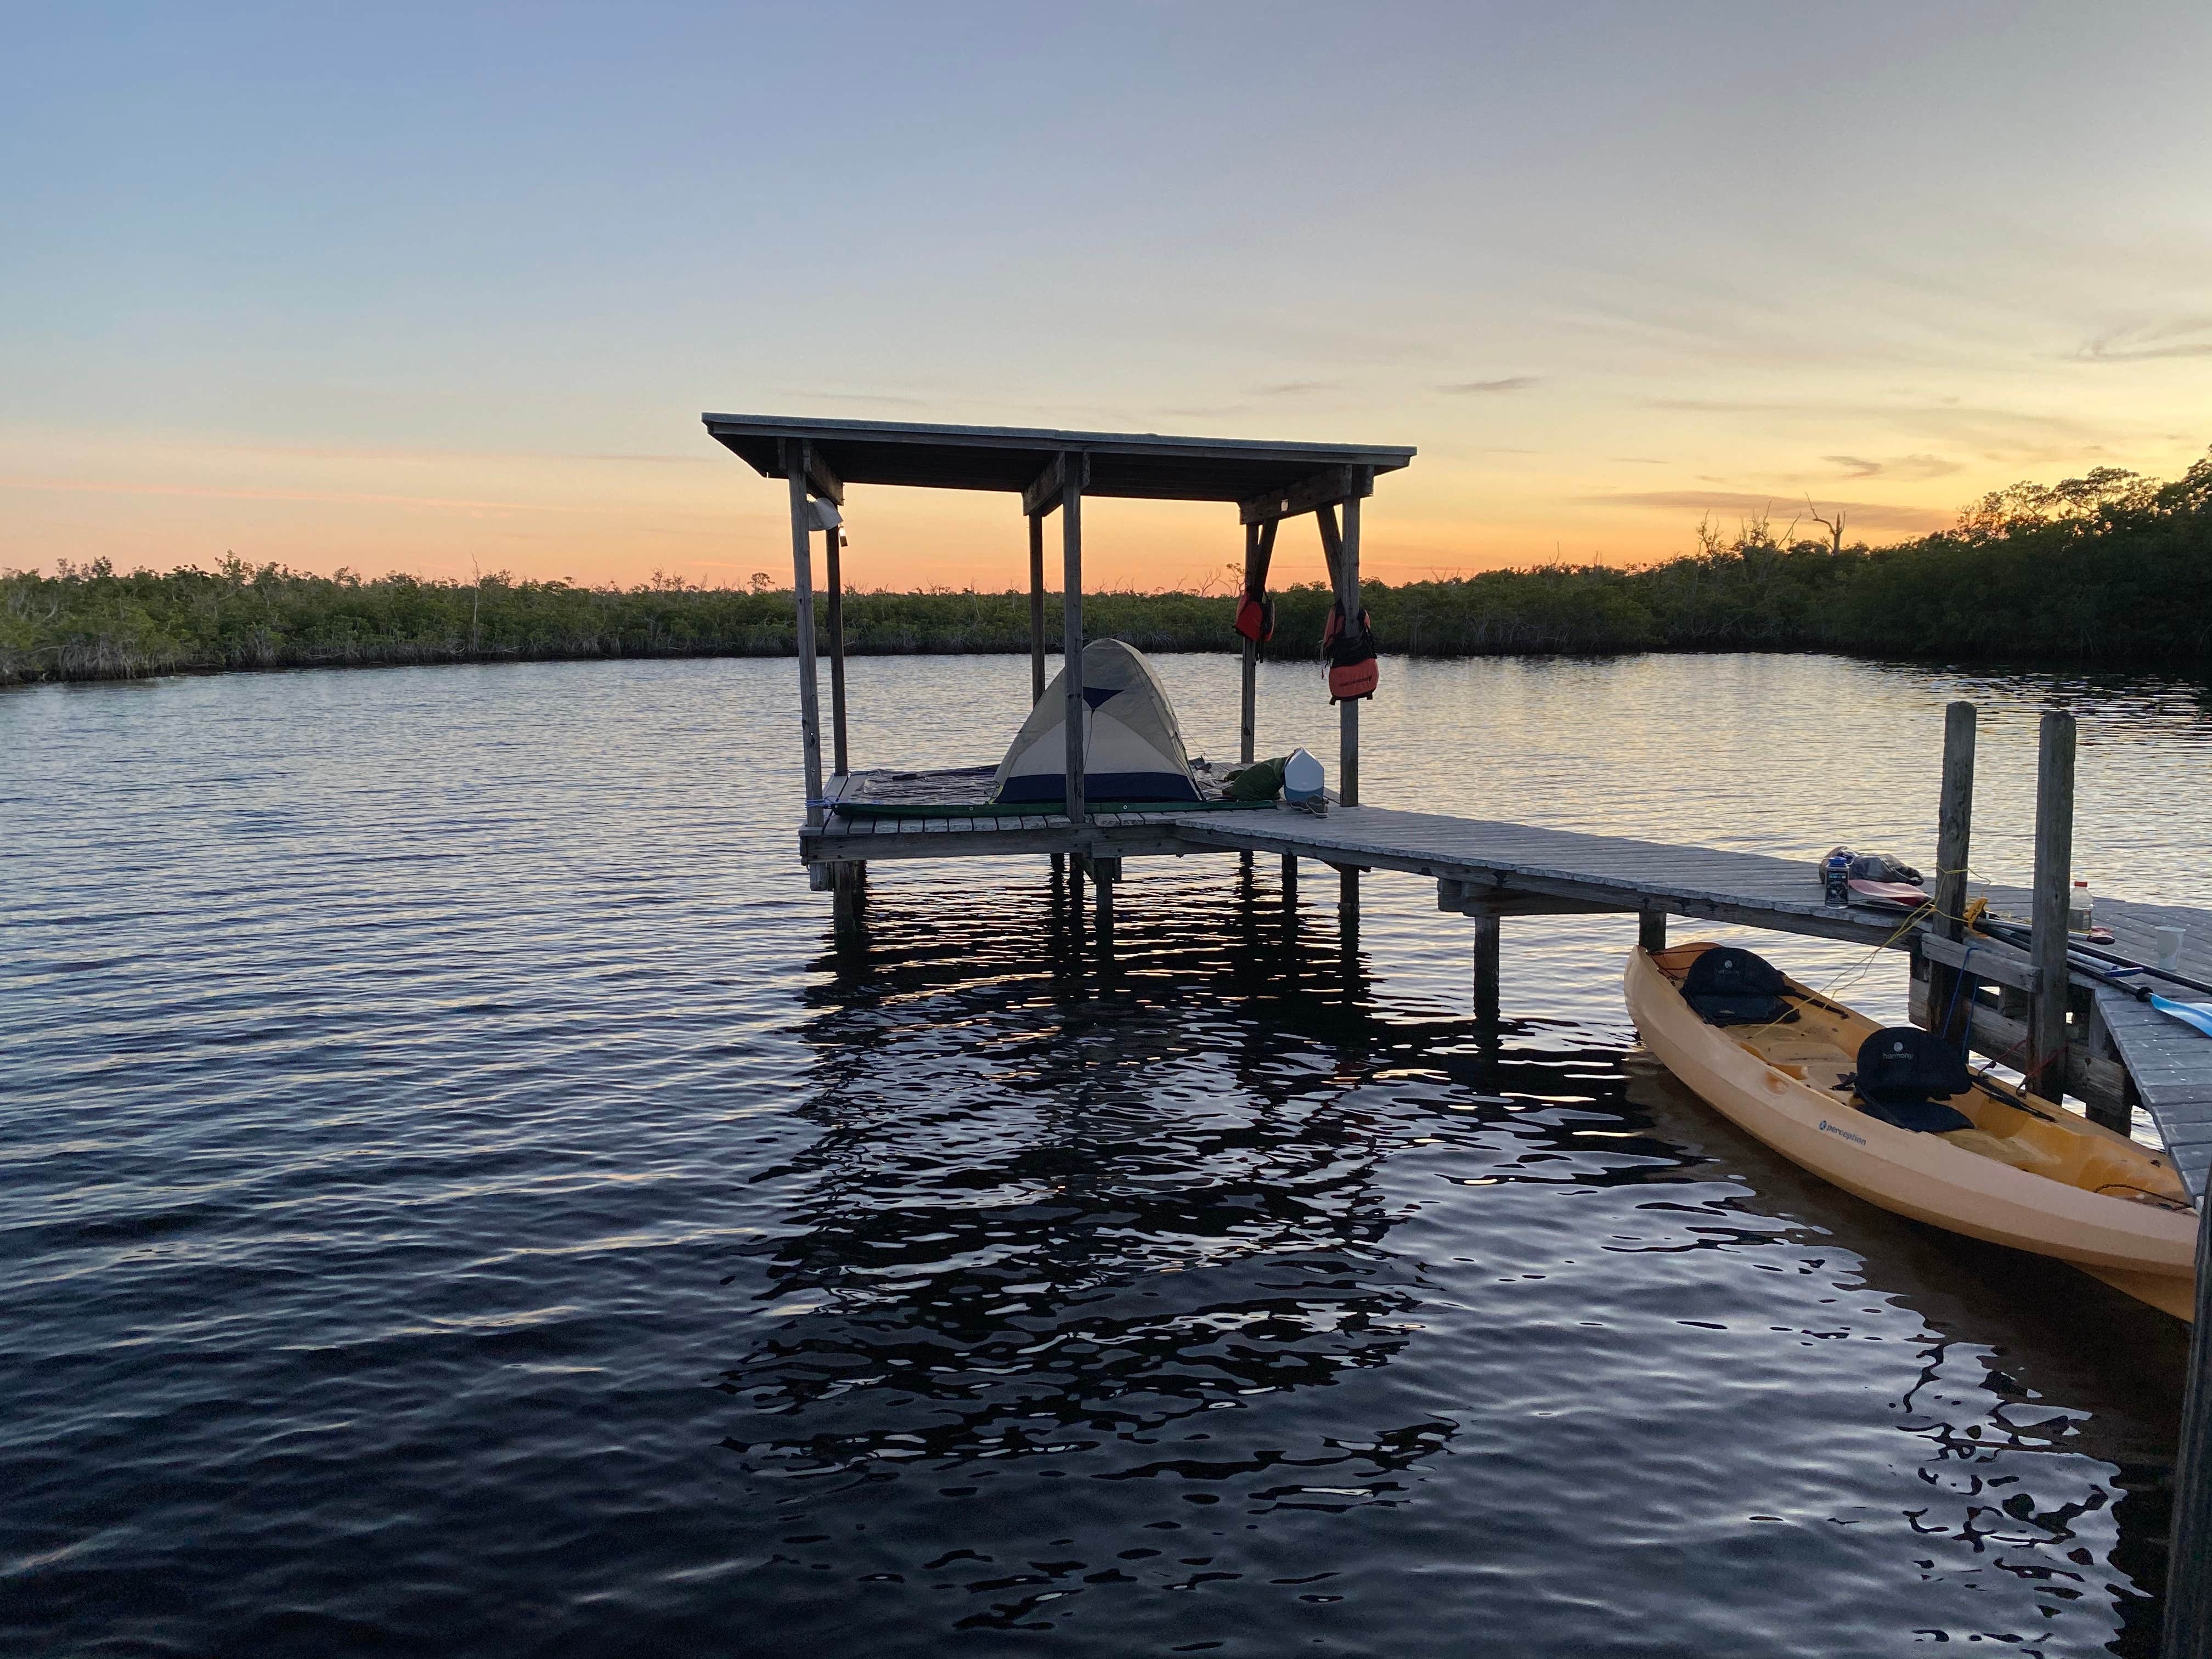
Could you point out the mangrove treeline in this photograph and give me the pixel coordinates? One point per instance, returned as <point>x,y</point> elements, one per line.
<point>2109,568</point>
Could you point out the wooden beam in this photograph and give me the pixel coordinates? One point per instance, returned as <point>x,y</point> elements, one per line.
<point>835,572</point>
<point>1323,488</point>
<point>1980,959</point>
<point>1248,687</point>
<point>1070,469</point>
<point>1348,712</point>
<point>2099,1083</point>
<point>2054,863</point>
<point>802,590</point>
<point>1954,826</point>
<point>1049,488</point>
<point>1037,609</point>
<point>819,478</point>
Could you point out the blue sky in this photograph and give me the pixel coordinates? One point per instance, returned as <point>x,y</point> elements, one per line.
<point>422,287</point>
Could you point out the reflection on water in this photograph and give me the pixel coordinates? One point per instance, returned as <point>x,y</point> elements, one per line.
<point>1321,1304</point>
<point>467,1198</point>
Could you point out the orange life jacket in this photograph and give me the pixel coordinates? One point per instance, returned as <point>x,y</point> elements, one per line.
<point>1255,618</point>
<point>1351,653</point>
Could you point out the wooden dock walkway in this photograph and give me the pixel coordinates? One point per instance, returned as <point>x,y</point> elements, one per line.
<point>2121,1052</point>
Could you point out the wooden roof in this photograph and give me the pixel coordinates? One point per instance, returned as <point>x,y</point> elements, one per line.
<point>1128,464</point>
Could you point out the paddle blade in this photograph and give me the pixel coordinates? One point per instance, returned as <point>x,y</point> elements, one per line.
<point>2198,1014</point>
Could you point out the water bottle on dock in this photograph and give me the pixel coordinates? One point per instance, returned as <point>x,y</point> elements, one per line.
<point>1836,877</point>
<point>2078,906</point>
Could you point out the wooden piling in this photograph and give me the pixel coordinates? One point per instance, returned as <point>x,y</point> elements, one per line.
<point>1071,533</point>
<point>1037,609</point>
<point>1247,727</point>
<point>2189,1572</point>
<point>1950,993</point>
<point>2054,856</point>
<point>1290,878</point>
<point>802,592</point>
<point>1486,941</point>
<point>1347,594</point>
<point>1651,930</point>
<point>833,540</point>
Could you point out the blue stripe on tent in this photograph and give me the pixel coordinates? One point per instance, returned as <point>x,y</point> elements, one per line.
<point>1102,785</point>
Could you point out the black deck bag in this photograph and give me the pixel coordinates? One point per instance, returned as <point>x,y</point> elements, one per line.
<point>1901,1068</point>
<point>1729,986</point>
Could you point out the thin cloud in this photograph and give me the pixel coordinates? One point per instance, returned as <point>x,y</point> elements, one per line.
<point>1637,461</point>
<point>2136,343</point>
<point>1903,468</point>
<point>1864,516</point>
<point>1294,388</point>
<point>1511,383</point>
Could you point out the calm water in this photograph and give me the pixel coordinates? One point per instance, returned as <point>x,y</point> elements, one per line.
<point>457,1197</point>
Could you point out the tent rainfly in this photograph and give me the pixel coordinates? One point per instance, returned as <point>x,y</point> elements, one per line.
<point>1133,749</point>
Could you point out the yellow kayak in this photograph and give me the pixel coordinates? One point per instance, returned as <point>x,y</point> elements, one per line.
<point>1883,1119</point>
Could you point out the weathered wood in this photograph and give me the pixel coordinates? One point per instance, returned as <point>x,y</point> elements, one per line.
<point>2188,1633</point>
<point>1488,899</point>
<point>2089,1078</point>
<point>1651,930</point>
<point>1955,822</point>
<point>1487,931</point>
<point>833,540</point>
<point>1289,878</point>
<point>1347,784</point>
<point>1048,489</point>
<point>1248,687</point>
<point>1326,488</point>
<point>1979,959</point>
<point>821,478</point>
<point>1071,533</point>
<point>1036,608</point>
<point>802,592</point>
<point>2054,861</point>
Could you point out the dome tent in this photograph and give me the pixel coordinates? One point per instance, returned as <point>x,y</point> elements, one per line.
<point>1132,748</point>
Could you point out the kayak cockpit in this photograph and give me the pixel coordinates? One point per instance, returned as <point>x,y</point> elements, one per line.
<point>1907,1077</point>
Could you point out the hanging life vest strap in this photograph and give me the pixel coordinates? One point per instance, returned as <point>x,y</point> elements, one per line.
<point>1255,612</point>
<point>1351,653</point>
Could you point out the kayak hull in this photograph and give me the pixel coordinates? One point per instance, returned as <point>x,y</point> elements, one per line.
<point>2145,1246</point>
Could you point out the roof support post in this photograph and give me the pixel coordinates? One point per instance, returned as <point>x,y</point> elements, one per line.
<point>1073,470</point>
<point>1347,593</point>
<point>1036,608</point>
<point>802,593</point>
<point>1248,712</point>
<point>1341,549</point>
<point>2054,860</point>
<point>830,538</point>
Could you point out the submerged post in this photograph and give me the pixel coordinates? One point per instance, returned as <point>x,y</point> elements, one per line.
<point>832,539</point>
<point>2054,859</point>
<point>1071,531</point>
<point>1486,941</point>
<point>2189,1574</point>
<point>1037,609</point>
<point>1950,993</point>
<point>802,592</point>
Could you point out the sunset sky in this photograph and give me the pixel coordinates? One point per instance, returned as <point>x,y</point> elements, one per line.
<point>412,288</point>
